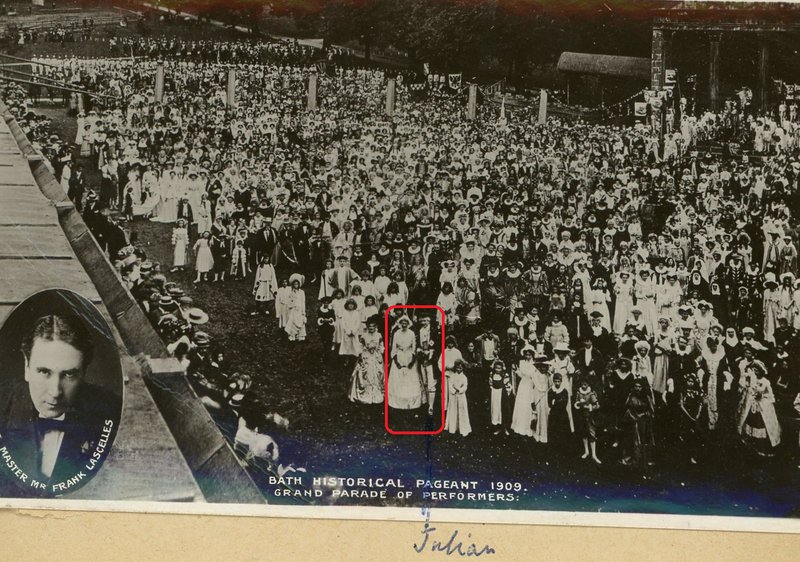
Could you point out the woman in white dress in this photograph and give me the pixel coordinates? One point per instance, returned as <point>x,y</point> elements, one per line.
<point>645,292</point>
<point>757,422</point>
<point>599,297</point>
<point>169,198</point>
<point>202,214</point>
<point>180,242</point>
<point>326,280</point>
<point>451,356</point>
<point>296,309</point>
<point>522,417</point>
<point>350,325</point>
<point>623,290</point>
<point>366,384</point>
<point>265,287</point>
<point>458,413</point>
<point>204,261</point>
<point>405,383</point>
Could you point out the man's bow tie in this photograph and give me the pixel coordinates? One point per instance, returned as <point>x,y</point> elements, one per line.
<point>46,424</point>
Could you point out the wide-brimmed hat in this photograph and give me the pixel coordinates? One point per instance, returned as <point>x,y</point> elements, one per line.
<point>195,316</point>
<point>201,339</point>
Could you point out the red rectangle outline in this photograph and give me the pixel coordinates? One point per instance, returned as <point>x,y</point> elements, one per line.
<point>387,364</point>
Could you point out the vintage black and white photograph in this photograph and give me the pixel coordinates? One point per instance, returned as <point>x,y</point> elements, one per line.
<point>60,394</point>
<point>555,241</point>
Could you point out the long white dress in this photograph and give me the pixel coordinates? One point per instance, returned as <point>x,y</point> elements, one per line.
<point>624,304</point>
<point>266,284</point>
<point>522,416</point>
<point>541,384</point>
<point>350,330</point>
<point>645,292</point>
<point>180,240</point>
<point>366,384</point>
<point>405,382</point>
<point>295,315</point>
<point>458,413</point>
<point>451,356</point>
<point>598,301</point>
<point>205,261</point>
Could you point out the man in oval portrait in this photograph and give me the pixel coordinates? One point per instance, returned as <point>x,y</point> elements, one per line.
<point>55,427</point>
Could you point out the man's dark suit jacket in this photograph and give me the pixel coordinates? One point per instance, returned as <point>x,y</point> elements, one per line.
<point>83,431</point>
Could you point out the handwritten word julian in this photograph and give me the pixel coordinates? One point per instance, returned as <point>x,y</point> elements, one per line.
<point>451,546</point>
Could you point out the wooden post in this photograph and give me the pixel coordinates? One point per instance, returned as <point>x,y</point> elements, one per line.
<point>542,107</point>
<point>230,98</point>
<point>713,73</point>
<point>312,92</point>
<point>472,101</point>
<point>159,90</point>
<point>763,77</point>
<point>390,97</point>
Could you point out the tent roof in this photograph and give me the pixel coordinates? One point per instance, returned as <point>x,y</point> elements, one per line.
<point>605,65</point>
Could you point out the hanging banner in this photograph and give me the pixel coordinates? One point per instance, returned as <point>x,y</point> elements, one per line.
<point>640,109</point>
<point>426,68</point>
<point>670,77</point>
<point>454,81</point>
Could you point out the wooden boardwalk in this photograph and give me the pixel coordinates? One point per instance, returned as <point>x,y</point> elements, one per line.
<point>145,462</point>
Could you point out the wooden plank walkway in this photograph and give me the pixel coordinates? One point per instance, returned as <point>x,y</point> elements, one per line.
<point>145,462</point>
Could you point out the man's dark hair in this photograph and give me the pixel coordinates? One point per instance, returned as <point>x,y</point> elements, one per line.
<point>57,327</point>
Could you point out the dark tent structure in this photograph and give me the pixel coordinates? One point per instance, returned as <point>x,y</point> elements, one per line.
<point>604,65</point>
<point>602,79</point>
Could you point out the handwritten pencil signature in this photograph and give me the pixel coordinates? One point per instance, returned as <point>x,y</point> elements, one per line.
<point>450,546</point>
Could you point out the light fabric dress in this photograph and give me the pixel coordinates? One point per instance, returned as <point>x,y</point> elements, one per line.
<point>350,330</point>
<point>205,261</point>
<point>295,315</point>
<point>180,240</point>
<point>458,413</point>
<point>522,417</point>
<point>366,386</point>
<point>405,383</point>
<point>266,284</point>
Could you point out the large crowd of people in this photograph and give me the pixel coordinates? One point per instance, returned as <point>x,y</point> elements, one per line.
<point>595,286</point>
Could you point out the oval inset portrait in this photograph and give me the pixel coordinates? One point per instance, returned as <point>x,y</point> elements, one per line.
<point>61,392</point>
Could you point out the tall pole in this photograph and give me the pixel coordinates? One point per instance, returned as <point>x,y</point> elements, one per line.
<point>542,106</point>
<point>713,72</point>
<point>312,92</point>
<point>472,101</point>
<point>231,90</point>
<point>159,83</point>
<point>763,77</point>
<point>390,97</point>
